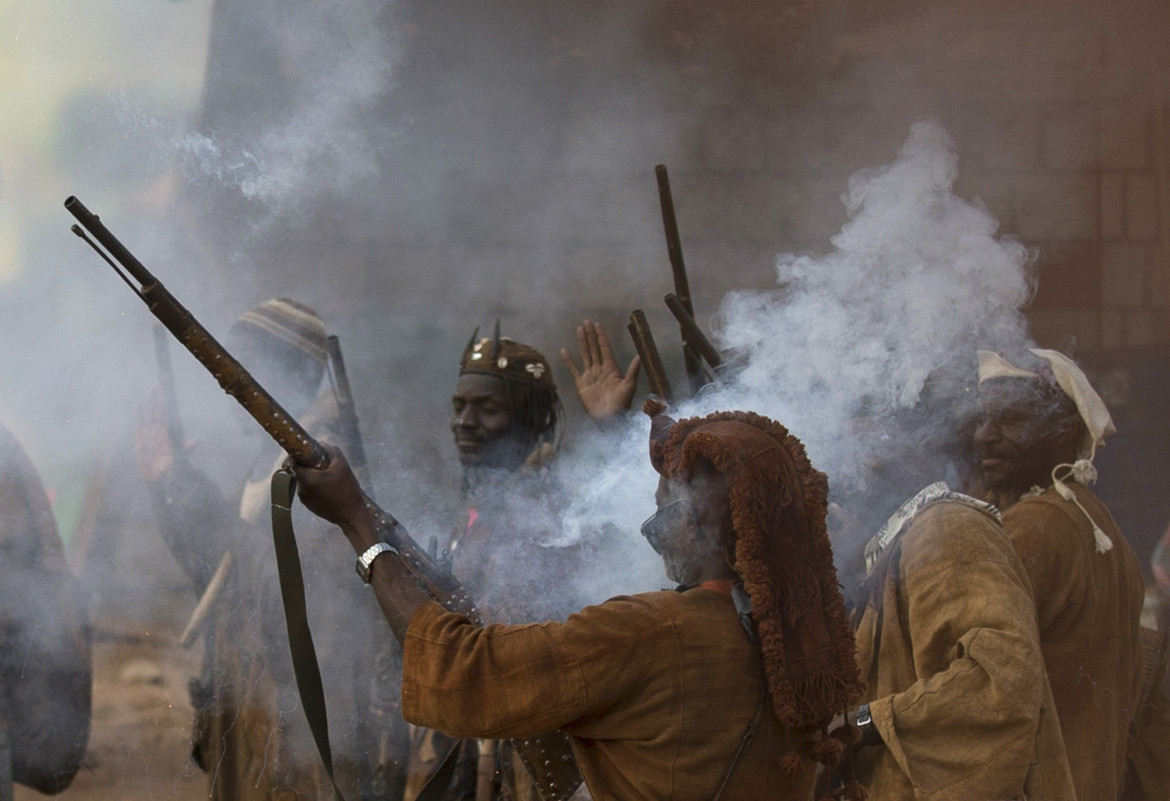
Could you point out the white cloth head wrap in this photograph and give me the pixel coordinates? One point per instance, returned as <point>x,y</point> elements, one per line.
<point>1098,424</point>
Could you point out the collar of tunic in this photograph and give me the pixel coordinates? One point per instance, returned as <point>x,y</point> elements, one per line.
<point>938,491</point>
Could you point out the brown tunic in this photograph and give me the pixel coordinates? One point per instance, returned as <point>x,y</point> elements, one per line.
<point>950,652</point>
<point>655,691</point>
<point>1088,606</point>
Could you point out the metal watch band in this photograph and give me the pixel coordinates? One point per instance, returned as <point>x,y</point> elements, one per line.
<point>367,559</point>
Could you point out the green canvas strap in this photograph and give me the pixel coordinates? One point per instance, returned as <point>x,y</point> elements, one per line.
<point>300,639</point>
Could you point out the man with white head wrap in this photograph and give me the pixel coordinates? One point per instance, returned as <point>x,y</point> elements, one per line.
<point>1041,423</point>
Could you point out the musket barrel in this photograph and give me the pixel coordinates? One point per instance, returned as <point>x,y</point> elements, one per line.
<point>678,268</point>
<point>170,400</point>
<point>692,332</point>
<point>231,375</point>
<point>347,413</point>
<point>643,338</point>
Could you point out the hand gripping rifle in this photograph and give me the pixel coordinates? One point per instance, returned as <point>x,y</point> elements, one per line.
<point>548,757</point>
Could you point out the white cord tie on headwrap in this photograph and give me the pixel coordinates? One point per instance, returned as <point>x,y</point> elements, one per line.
<point>1083,472</point>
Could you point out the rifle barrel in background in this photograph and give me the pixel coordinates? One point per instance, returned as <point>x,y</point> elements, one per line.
<point>678,268</point>
<point>648,352</point>
<point>170,400</point>
<point>231,375</point>
<point>355,449</point>
<point>692,332</point>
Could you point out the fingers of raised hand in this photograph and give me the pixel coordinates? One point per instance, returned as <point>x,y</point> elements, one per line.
<point>595,351</point>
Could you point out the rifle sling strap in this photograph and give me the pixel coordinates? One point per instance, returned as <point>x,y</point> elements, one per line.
<point>300,639</point>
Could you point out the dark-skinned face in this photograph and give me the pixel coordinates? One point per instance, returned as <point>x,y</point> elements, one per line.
<point>1022,435</point>
<point>485,432</point>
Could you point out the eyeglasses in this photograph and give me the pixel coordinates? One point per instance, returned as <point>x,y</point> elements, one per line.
<point>663,520</point>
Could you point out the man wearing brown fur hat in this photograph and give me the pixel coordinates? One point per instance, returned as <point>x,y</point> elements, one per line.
<point>721,689</point>
<point>1041,423</point>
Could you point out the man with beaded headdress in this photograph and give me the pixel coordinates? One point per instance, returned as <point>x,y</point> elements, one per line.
<point>721,689</point>
<point>506,416</point>
<point>957,704</point>
<point>1041,423</point>
<point>249,735</point>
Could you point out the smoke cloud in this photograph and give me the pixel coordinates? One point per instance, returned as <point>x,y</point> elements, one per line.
<point>917,281</point>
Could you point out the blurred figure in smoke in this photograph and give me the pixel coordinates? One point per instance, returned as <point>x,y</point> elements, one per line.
<point>45,672</point>
<point>250,733</point>
<point>957,704</point>
<point>1148,757</point>
<point>1040,425</point>
<point>506,416</point>
<point>721,689</point>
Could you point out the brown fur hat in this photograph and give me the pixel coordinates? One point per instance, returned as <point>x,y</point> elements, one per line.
<point>778,503</point>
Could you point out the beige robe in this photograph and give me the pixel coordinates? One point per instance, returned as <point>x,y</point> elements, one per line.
<point>655,691</point>
<point>950,652</point>
<point>1089,607</point>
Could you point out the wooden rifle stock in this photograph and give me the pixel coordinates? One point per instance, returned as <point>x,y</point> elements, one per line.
<point>678,268</point>
<point>651,359</point>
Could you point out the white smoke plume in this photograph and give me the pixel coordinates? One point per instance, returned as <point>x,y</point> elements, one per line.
<point>320,144</point>
<point>917,280</point>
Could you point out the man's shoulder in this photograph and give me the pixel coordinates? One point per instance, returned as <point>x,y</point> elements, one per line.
<point>949,518</point>
<point>1047,515</point>
<point>949,531</point>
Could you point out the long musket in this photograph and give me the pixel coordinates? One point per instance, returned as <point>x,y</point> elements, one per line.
<point>643,338</point>
<point>239,383</point>
<point>678,268</point>
<point>170,400</point>
<point>390,742</point>
<point>351,433</point>
<point>547,757</point>
<point>692,332</point>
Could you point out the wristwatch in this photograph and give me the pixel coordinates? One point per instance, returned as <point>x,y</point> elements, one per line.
<point>366,560</point>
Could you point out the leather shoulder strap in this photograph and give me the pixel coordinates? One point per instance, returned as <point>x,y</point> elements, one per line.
<point>300,639</point>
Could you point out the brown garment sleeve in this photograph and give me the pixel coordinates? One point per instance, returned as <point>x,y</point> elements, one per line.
<point>512,681</point>
<point>966,728</point>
